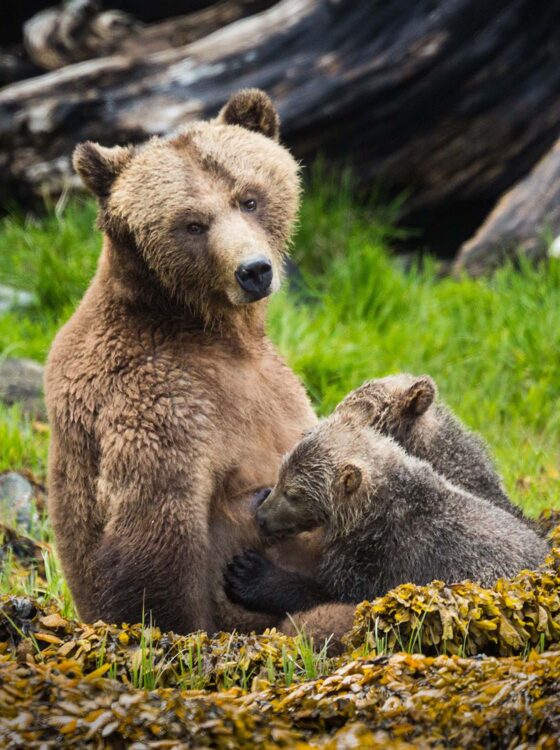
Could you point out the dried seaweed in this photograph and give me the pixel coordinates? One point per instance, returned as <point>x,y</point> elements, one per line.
<point>548,521</point>
<point>463,618</point>
<point>27,552</point>
<point>394,702</point>
<point>65,683</point>
<point>140,654</point>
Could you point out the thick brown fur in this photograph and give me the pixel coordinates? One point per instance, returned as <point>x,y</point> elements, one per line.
<point>326,624</point>
<point>389,518</point>
<point>168,404</point>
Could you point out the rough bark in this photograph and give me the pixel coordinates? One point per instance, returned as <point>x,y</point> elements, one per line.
<point>452,101</point>
<point>14,66</point>
<point>81,30</point>
<point>524,221</point>
<point>76,31</point>
<point>13,14</point>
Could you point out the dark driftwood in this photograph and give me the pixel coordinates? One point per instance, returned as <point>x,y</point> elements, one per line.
<point>76,31</point>
<point>14,66</point>
<point>525,220</point>
<point>81,30</point>
<point>14,13</point>
<point>453,101</point>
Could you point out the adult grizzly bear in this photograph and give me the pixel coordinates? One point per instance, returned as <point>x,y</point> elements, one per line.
<point>168,404</point>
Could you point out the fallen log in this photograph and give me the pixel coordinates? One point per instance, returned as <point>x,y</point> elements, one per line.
<point>81,30</point>
<point>452,101</point>
<point>525,220</point>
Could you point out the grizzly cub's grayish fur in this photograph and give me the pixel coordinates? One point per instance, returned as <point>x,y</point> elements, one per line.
<point>404,407</point>
<point>389,518</point>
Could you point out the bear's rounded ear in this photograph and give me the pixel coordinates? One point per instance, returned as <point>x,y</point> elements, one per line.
<point>253,110</point>
<point>350,478</point>
<point>99,166</point>
<point>420,396</point>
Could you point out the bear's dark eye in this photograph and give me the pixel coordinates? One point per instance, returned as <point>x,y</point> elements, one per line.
<point>195,228</point>
<point>249,205</point>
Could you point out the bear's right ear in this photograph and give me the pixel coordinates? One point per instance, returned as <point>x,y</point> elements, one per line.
<point>350,478</point>
<point>420,396</point>
<point>252,109</point>
<point>99,167</point>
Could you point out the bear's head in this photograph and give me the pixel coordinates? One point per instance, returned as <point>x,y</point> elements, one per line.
<point>394,404</point>
<point>209,211</point>
<point>339,465</point>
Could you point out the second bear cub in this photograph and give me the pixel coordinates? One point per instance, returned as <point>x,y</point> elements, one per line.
<point>405,407</point>
<point>389,518</point>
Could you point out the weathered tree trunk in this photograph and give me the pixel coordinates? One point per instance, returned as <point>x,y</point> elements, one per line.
<point>525,220</point>
<point>452,101</point>
<point>81,30</point>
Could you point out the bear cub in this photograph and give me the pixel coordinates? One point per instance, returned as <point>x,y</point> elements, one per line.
<point>405,407</point>
<point>389,518</point>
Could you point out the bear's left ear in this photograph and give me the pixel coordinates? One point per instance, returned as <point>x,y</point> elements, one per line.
<point>253,110</point>
<point>420,396</point>
<point>350,478</point>
<point>99,166</point>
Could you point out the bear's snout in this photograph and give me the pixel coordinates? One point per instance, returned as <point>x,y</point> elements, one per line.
<point>254,276</point>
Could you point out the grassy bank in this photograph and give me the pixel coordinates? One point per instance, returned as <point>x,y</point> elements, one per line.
<point>491,344</point>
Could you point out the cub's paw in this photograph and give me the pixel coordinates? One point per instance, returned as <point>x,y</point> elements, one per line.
<point>247,579</point>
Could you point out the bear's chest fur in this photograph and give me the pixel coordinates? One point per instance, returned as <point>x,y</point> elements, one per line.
<point>202,406</point>
<point>256,410</point>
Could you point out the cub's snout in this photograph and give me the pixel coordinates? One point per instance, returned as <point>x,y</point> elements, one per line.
<point>280,517</point>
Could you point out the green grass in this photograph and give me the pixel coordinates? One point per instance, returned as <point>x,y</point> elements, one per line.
<point>491,344</point>
<point>22,444</point>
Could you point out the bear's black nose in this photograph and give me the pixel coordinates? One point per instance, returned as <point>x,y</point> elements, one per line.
<point>259,497</point>
<point>255,277</point>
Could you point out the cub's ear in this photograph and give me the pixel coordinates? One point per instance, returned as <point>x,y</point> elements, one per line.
<point>253,110</point>
<point>350,478</point>
<point>420,396</point>
<point>99,166</point>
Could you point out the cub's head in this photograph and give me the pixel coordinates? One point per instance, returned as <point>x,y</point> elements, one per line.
<point>208,211</point>
<point>392,404</point>
<point>325,480</point>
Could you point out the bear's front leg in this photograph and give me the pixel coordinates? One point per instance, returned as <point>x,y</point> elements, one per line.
<point>154,554</point>
<point>254,582</point>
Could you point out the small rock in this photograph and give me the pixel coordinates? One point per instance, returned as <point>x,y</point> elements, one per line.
<point>16,494</point>
<point>24,608</point>
<point>554,249</point>
<point>10,298</point>
<point>21,381</point>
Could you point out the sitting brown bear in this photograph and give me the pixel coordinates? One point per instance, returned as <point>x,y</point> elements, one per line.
<point>389,518</point>
<point>168,404</point>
